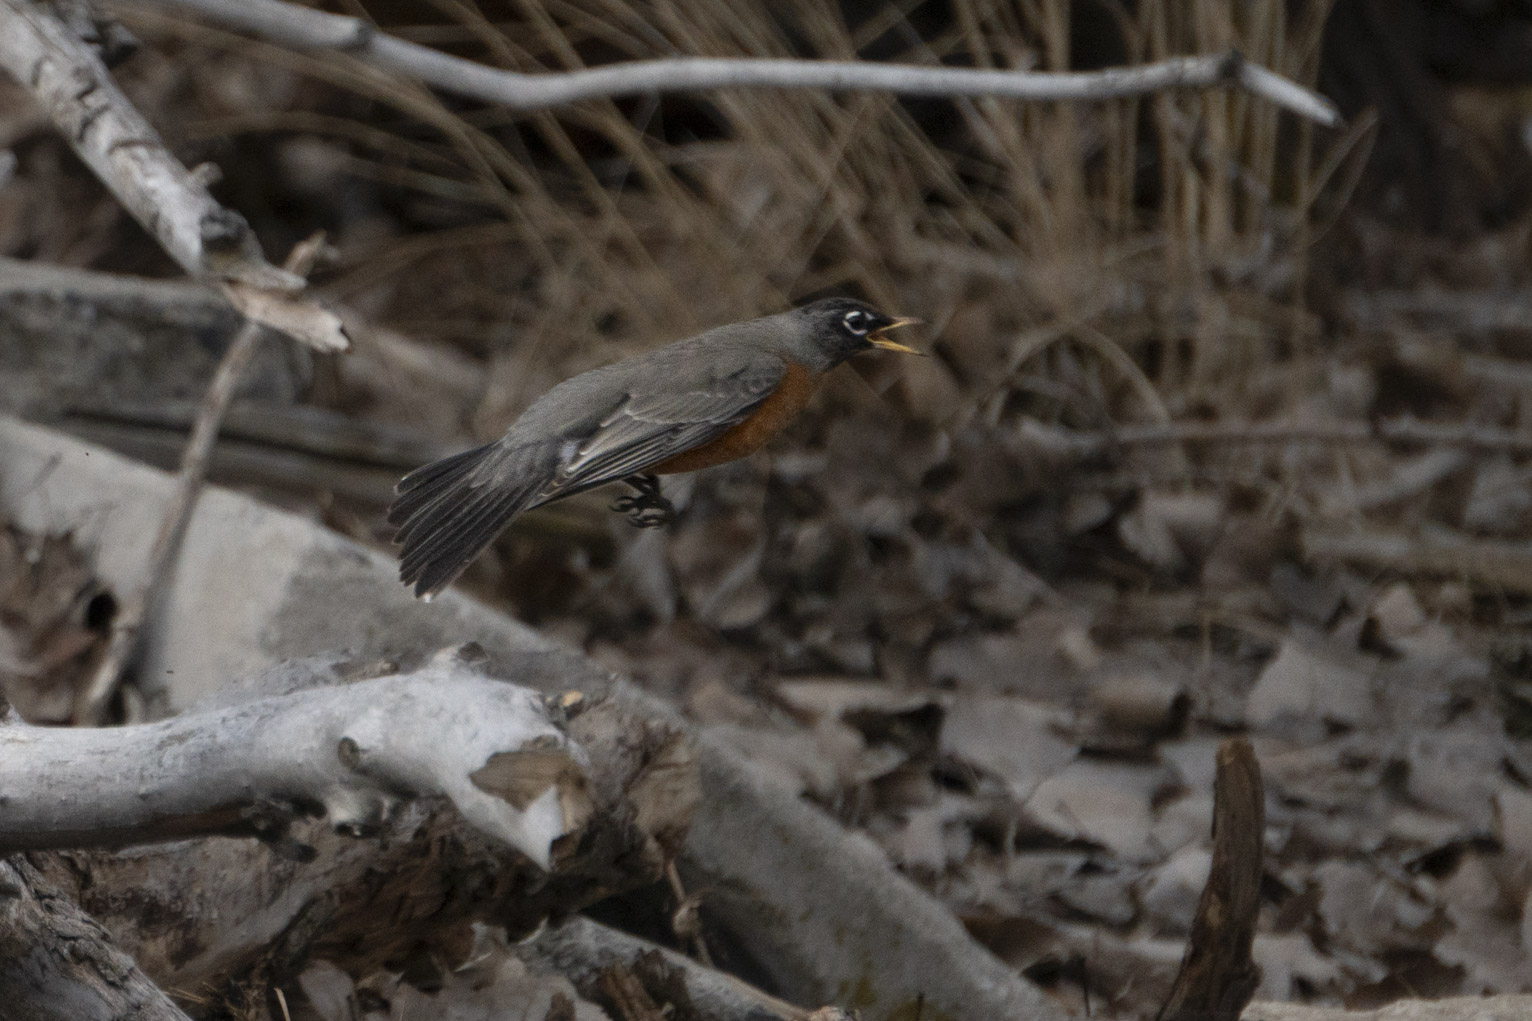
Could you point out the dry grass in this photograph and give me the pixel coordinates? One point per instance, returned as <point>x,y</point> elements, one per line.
<point>1176,228</point>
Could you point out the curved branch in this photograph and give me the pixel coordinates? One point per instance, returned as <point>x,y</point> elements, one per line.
<point>292,25</point>
<point>352,750</point>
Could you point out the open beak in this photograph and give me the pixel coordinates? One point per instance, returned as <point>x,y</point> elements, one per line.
<point>877,339</point>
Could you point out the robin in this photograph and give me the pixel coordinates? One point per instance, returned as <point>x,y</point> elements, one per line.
<point>696,403</point>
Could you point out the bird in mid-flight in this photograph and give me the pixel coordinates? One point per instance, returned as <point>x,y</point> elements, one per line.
<point>693,404</point>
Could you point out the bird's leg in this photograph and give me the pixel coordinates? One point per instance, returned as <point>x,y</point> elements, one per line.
<point>649,508</point>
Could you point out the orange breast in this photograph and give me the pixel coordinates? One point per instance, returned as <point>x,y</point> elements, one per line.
<point>747,437</point>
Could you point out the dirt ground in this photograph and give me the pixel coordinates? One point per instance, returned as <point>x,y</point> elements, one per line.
<point>1219,435</point>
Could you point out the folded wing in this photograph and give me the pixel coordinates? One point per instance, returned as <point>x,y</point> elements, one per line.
<point>649,429</point>
<point>448,511</point>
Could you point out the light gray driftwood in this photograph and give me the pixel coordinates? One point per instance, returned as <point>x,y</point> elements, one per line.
<point>209,915</point>
<point>211,243</point>
<point>353,751</point>
<point>257,586</point>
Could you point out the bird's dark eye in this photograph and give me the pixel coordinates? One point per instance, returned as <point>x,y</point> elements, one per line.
<point>857,323</point>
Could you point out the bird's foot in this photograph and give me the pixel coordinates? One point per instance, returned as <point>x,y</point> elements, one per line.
<point>648,508</point>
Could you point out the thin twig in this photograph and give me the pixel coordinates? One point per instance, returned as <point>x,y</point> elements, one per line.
<point>304,27</point>
<point>1492,563</point>
<point>122,647</point>
<point>686,921</point>
<point>1404,431</point>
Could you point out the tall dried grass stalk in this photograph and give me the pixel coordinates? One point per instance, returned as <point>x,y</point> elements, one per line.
<point>1156,222</point>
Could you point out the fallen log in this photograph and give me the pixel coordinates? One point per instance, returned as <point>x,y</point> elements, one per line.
<point>777,874</point>
<point>393,873</point>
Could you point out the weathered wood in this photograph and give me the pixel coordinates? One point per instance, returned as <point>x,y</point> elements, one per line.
<point>352,751</point>
<point>1217,976</point>
<point>585,952</point>
<point>210,915</point>
<point>58,964</point>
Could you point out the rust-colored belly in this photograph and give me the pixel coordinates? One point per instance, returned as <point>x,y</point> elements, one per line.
<point>747,437</point>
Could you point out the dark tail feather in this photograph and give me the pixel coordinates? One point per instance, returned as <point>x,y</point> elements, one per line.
<point>446,517</point>
<point>426,483</point>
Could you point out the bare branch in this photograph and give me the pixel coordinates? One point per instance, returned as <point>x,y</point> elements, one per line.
<point>218,914</point>
<point>210,242</point>
<point>1217,975</point>
<point>1062,443</point>
<point>1492,563</point>
<point>304,27</point>
<point>486,745</point>
<point>73,87</point>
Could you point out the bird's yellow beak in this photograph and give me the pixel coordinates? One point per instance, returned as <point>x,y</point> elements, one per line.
<point>877,339</point>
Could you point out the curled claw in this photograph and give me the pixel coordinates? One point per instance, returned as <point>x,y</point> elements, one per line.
<point>648,508</point>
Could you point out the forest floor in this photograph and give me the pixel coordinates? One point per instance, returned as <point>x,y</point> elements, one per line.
<point>994,608</point>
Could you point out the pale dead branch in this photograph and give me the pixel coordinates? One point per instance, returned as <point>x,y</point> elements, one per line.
<point>353,751</point>
<point>303,27</point>
<point>210,242</point>
<point>71,84</point>
<point>210,913</point>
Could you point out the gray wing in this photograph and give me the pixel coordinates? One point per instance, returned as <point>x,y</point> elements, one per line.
<point>449,511</point>
<point>646,430</point>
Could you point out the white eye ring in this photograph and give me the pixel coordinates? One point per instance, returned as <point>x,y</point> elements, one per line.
<point>852,319</point>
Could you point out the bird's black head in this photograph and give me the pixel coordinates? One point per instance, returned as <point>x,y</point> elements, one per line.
<point>841,327</point>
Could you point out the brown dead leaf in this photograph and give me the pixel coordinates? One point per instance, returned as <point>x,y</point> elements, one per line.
<point>718,562</point>
<point>1138,703</point>
<point>1486,940</point>
<point>1369,913</point>
<point>53,623</point>
<point>1173,531</point>
<point>520,778</point>
<point>1169,893</point>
